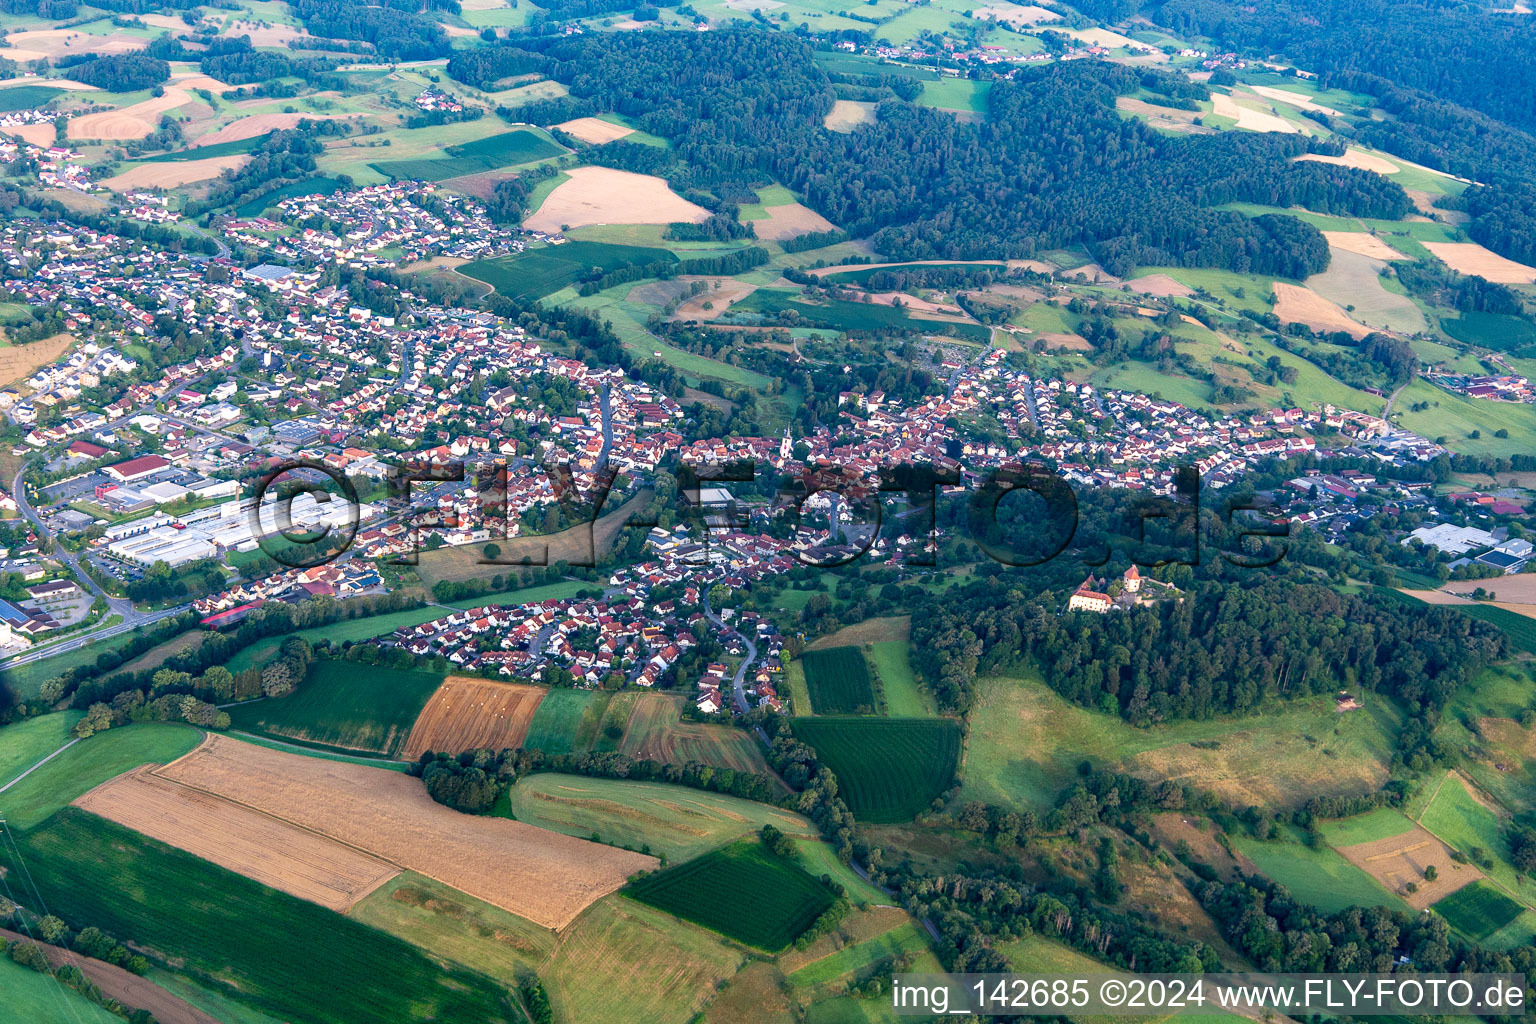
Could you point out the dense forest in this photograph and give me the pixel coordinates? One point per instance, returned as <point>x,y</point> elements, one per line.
<point>397,29</point>
<point>1226,647</point>
<point>124,72</point>
<point>1053,164</point>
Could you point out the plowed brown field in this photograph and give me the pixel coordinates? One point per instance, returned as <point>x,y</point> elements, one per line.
<point>541,875</point>
<point>1398,860</point>
<point>247,842</point>
<point>469,714</point>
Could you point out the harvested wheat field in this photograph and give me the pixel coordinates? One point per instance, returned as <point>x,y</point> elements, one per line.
<point>194,80</point>
<point>36,134</point>
<point>1473,260</point>
<point>172,173</point>
<point>594,130</point>
<point>602,195</point>
<point>1297,305</point>
<point>132,122</point>
<point>846,115</point>
<point>259,846</point>
<point>1398,860</point>
<point>59,42</point>
<point>473,714</point>
<point>18,362</point>
<point>1162,285</point>
<point>1294,99</point>
<point>729,290</point>
<point>1355,158</point>
<point>1252,120</point>
<point>544,876</point>
<point>790,221</point>
<point>1519,589</point>
<point>1363,244</point>
<point>260,124</point>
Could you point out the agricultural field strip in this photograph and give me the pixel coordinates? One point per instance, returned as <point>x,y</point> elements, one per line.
<point>531,872</point>
<point>261,846</point>
<point>470,714</point>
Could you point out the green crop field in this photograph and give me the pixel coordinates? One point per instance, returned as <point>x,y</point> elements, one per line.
<point>668,821</point>
<point>27,97</point>
<point>30,740</point>
<point>903,940</point>
<point>508,149</point>
<point>91,762</point>
<point>286,956</point>
<point>343,705</point>
<point>232,148</point>
<point>538,272</point>
<point>888,769</point>
<point>838,680</point>
<point>321,186</point>
<point>1493,331</point>
<point>561,722</point>
<point>742,892</point>
<point>1478,910</point>
<point>1382,823</point>
<point>1319,876</point>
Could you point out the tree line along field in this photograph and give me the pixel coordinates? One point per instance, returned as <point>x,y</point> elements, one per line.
<point>288,957</point>
<point>509,149</point>
<point>888,769</point>
<point>838,680</point>
<point>535,273</point>
<point>742,892</point>
<point>345,706</point>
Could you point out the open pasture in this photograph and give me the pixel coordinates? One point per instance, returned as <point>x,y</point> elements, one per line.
<point>24,743</point>
<point>260,847</point>
<point>1494,331</point>
<point>1319,876</point>
<point>675,822</point>
<point>604,195</point>
<point>1026,741</point>
<point>888,769</point>
<point>290,958</point>
<point>320,186</point>
<point>846,115</point>
<point>534,873</point>
<point>89,763</point>
<point>742,892</point>
<point>1477,911</point>
<point>473,714</point>
<point>345,706</point>
<point>1353,282</point>
<point>838,680</point>
<point>904,698</point>
<point>625,961</point>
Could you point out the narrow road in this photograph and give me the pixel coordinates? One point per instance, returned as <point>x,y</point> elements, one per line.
<point>738,685</point>
<point>39,764</point>
<point>139,621</point>
<point>604,402</point>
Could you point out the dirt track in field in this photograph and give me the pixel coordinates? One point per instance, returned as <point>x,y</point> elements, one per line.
<point>470,714</point>
<point>259,846</point>
<point>543,876</point>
